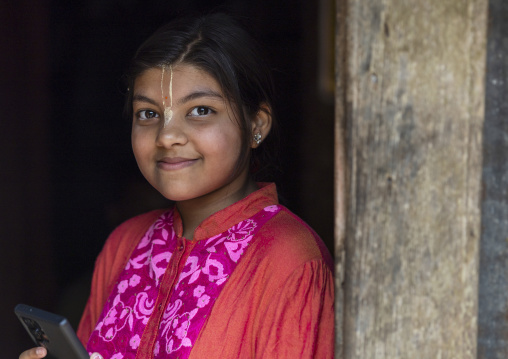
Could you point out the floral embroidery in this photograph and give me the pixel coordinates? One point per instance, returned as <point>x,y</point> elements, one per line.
<point>122,286</point>
<point>114,321</point>
<point>206,270</point>
<point>175,331</point>
<point>128,310</point>
<point>199,290</point>
<point>134,281</point>
<point>241,230</point>
<point>143,307</point>
<point>203,300</point>
<point>214,269</point>
<point>134,342</point>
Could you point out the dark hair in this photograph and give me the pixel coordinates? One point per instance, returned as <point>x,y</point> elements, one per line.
<point>218,45</point>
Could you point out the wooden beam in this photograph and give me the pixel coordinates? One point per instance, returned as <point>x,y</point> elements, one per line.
<point>340,173</point>
<point>414,106</point>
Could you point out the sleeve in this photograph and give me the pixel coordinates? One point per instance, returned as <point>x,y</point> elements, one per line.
<point>110,262</point>
<point>300,324</point>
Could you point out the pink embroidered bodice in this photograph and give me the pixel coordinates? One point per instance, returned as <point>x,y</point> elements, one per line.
<point>130,305</point>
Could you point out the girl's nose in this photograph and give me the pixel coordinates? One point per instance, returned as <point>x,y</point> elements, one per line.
<point>171,133</point>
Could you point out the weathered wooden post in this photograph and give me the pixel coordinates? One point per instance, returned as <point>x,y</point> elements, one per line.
<point>340,173</point>
<point>410,94</point>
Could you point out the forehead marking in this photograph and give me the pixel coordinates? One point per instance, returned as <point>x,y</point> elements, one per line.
<point>168,112</point>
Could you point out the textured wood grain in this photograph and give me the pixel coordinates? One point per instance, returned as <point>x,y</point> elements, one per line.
<point>340,175</point>
<point>414,108</point>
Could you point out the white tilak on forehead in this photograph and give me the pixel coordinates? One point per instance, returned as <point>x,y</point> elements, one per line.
<point>168,112</point>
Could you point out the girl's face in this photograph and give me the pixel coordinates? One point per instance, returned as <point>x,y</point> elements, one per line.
<point>184,135</point>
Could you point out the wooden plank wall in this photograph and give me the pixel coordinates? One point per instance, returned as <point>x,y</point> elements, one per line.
<point>410,97</point>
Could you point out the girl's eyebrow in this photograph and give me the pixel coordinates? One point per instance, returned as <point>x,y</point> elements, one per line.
<point>143,98</point>
<point>199,94</point>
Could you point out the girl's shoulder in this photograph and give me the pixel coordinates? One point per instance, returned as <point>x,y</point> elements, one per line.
<point>288,238</point>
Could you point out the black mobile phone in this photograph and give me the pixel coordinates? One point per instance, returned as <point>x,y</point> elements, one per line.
<point>51,331</point>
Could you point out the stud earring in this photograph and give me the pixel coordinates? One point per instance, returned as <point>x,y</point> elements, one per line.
<point>257,138</point>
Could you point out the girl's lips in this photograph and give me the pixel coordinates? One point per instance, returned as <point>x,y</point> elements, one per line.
<point>174,163</point>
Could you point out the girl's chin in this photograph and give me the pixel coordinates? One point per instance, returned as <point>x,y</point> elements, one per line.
<point>187,196</point>
<point>181,196</point>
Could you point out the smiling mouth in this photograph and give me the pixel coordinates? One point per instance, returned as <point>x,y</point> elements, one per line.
<point>174,163</point>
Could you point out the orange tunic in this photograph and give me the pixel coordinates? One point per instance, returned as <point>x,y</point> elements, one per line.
<point>278,302</point>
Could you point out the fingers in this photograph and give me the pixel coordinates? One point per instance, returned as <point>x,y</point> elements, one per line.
<point>34,353</point>
<point>41,352</point>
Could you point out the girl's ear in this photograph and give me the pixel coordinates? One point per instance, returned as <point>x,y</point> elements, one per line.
<point>261,124</point>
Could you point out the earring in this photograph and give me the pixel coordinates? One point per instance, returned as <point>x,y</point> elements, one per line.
<point>257,138</point>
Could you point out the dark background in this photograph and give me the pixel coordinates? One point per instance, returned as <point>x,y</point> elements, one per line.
<point>67,175</point>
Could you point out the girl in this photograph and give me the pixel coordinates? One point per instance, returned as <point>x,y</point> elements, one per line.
<point>227,272</point>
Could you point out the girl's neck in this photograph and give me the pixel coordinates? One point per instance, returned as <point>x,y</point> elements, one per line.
<point>196,210</point>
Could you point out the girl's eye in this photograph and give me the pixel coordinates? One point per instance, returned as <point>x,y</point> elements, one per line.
<point>147,114</point>
<point>201,111</point>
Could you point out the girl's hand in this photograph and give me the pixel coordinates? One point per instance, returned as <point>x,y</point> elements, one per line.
<point>40,352</point>
<point>34,353</point>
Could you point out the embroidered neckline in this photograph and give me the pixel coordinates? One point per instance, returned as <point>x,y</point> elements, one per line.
<point>131,304</point>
